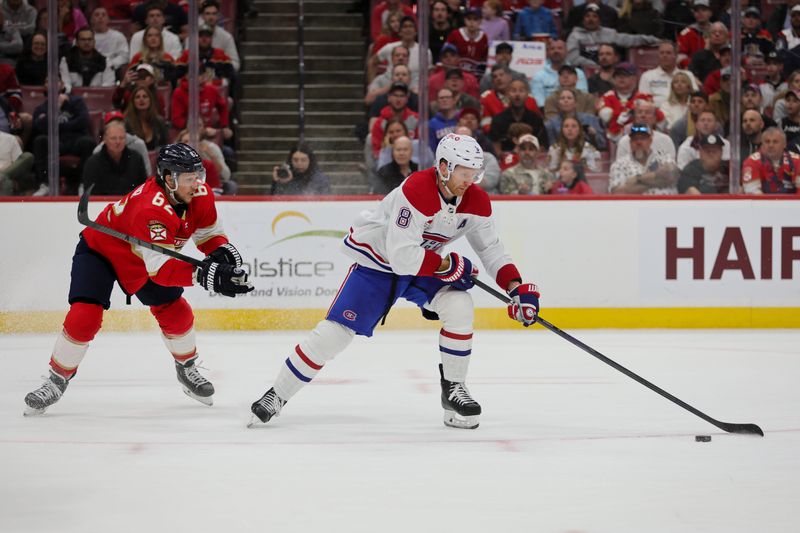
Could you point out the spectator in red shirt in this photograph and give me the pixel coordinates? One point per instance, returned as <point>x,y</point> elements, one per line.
<point>450,59</point>
<point>397,108</point>
<point>211,102</point>
<point>570,180</point>
<point>693,38</point>
<point>773,169</point>
<point>472,43</point>
<point>382,11</point>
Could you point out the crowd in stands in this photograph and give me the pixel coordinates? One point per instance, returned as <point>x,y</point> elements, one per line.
<point>123,92</point>
<point>633,98</point>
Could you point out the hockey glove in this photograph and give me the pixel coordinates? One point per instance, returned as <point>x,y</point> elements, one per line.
<point>222,278</point>
<point>524,304</point>
<point>228,254</point>
<point>459,274</point>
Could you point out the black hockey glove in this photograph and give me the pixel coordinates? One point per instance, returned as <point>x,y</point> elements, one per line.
<point>228,254</point>
<point>222,278</point>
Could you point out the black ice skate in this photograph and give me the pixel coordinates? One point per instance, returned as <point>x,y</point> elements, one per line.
<point>460,410</point>
<point>194,384</point>
<point>49,393</point>
<point>265,408</point>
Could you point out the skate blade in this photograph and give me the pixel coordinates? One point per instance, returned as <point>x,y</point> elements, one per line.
<point>454,420</point>
<point>32,411</point>
<point>207,400</point>
<point>254,422</point>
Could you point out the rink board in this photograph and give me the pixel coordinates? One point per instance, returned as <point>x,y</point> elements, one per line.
<point>600,263</point>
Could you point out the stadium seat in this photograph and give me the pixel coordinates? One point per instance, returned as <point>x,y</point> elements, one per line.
<point>32,97</point>
<point>125,26</point>
<point>644,58</point>
<point>96,97</point>
<point>96,124</point>
<point>598,181</point>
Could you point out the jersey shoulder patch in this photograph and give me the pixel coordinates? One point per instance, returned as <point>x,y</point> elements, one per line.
<point>421,191</point>
<point>475,202</point>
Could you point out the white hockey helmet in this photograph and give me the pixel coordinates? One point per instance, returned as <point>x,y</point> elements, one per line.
<point>459,150</point>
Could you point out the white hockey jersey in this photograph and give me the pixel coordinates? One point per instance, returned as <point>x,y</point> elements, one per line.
<point>406,233</point>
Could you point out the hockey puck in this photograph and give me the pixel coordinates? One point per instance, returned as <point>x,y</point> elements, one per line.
<point>702,438</point>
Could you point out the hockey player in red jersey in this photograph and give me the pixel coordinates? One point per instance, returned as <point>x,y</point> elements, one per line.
<point>398,252</point>
<point>166,210</point>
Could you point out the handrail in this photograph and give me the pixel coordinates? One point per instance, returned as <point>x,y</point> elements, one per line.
<point>301,71</point>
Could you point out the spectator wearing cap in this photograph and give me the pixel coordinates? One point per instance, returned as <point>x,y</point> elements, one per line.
<point>546,80</point>
<point>379,98</point>
<point>706,125</point>
<point>756,41</point>
<point>496,99</point>
<point>408,38</point>
<point>779,106</point>
<point>645,170</point>
<point>527,176</point>
<point>788,38</point>
<point>397,108</point>
<point>391,175</point>
<point>679,14</point>
<point>752,127</point>
<point>713,80</point>
<point>568,79</point>
<point>751,99</point>
<point>640,17</point>
<point>693,38</point>
<point>658,81</point>
<point>780,18</point>
<point>535,20</point>
<point>716,55</point>
<point>155,18</point>
<point>221,38</point>
<point>774,81</point>
<point>84,66</point>
<point>645,112</point>
<point>608,15</point>
<point>616,106</point>
<point>213,60</point>
<point>454,80</point>
<point>773,169</point>
<point>143,75</point>
<point>493,24</point>
<point>685,127</point>
<point>450,60</point>
<point>567,106</point>
<point>709,174</point>
<point>601,81</point>
<point>445,119</point>
<point>116,169</point>
<point>110,42</point>
<point>790,124</point>
<point>382,10</point>
<point>439,28</point>
<point>583,41</point>
<point>471,43</point>
<point>503,53</point>
<point>133,142</point>
<point>517,111</point>
<point>720,101</point>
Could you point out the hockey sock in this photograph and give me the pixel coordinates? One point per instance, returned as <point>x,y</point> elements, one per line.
<point>324,343</point>
<point>81,324</point>
<point>176,321</point>
<point>455,309</point>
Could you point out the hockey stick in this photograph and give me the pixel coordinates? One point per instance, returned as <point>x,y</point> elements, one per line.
<point>725,426</point>
<point>83,218</point>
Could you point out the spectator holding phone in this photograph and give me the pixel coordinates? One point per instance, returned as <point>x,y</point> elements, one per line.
<point>300,175</point>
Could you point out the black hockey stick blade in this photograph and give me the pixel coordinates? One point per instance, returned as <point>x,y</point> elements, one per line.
<point>750,429</point>
<point>83,218</point>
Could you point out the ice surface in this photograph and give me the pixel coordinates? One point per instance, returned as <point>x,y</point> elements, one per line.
<point>566,444</point>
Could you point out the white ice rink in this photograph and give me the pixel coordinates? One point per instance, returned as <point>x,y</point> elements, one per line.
<point>566,443</point>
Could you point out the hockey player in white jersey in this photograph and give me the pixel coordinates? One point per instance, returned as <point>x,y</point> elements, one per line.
<point>398,253</point>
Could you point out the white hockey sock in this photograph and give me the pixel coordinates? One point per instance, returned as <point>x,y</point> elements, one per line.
<point>182,347</point>
<point>324,343</point>
<point>68,353</point>
<point>455,349</point>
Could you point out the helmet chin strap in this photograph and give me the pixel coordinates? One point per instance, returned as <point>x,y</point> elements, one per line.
<point>170,191</point>
<point>445,179</point>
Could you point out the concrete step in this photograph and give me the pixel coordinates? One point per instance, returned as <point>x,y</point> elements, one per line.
<point>280,155</point>
<point>312,130</point>
<point>312,63</point>
<point>346,47</point>
<point>312,104</point>
<point>309,6</point>
<point>274,33</point>
<point>261,77</point>
<point>311,20</point>
<point>290,117</point>
<point>312,90</point>
<point>284,144</point>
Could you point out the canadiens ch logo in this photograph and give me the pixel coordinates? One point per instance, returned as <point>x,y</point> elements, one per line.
<point>158,232</point>
<point>350,315</point>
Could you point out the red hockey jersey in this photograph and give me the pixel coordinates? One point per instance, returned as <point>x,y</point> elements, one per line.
<point>619,106</point>
<point>145,213</point>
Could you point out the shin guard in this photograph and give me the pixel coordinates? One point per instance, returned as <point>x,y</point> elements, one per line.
<point>81,324</point>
